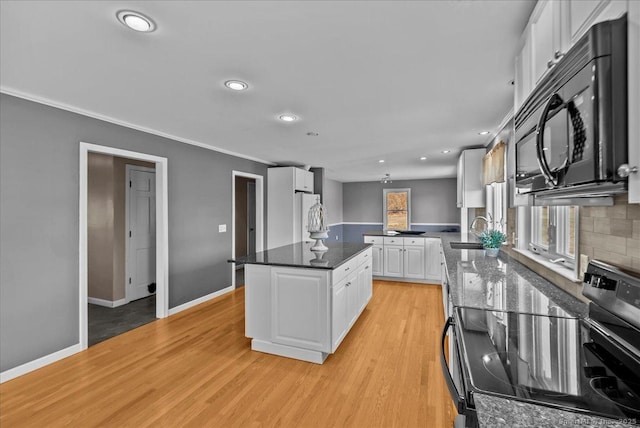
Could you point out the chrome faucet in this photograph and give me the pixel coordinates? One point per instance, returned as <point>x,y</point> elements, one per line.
<point>486,220</point>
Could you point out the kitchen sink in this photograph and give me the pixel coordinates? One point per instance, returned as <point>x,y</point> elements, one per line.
<point>466,245</point>
<point>410,232</point>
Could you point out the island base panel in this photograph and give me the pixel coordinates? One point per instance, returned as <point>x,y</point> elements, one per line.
<point>288,351</point>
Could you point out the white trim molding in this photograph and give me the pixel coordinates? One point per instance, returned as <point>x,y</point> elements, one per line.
<point>200,300</point>
<point>106,303</point>
<point>259,216</point>
<point>92,114</point>
<point>162,231</point>
<point>39,363</point>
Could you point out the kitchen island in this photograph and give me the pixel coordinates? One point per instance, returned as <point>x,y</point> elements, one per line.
<point>301,304</point>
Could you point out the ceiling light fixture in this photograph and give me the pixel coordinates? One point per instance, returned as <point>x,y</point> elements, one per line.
<point>483,133</point>
<point>136,21</point>
<point>446,151</point>
<point>381,161</point>
<point>287,117</point>
<point>386,179</point>
<point>423,158</point>
<point>236,85</point>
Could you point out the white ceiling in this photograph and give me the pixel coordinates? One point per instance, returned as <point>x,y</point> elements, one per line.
<point>391,80</point>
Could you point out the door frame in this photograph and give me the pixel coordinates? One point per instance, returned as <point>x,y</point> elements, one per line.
<point>259,216</point>
<point>127,205</point>
<point>162,231</point>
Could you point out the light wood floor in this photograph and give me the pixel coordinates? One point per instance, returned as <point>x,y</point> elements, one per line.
<point>196,369</point>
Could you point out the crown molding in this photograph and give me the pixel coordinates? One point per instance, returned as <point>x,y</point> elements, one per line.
<point>94,115</point>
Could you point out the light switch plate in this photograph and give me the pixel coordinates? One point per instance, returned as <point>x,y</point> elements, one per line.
<point>222,228</point>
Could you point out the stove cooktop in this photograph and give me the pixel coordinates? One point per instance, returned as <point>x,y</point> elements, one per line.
<point>560,362</point>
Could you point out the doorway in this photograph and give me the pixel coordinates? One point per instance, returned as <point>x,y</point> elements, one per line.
<point>105,260</point>
<point>247,219</point>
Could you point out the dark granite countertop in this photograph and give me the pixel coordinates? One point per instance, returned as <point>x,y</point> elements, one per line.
<point>300,255</point>
<point>504,284</point>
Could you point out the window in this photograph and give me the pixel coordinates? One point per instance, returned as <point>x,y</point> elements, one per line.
<point>397,209</point>
<point>553,233</point>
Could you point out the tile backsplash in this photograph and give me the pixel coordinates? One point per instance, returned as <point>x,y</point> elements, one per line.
<point>610,234</point>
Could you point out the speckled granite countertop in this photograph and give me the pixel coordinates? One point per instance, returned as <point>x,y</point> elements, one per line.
<point>300,255</point>
<point>504,284</point>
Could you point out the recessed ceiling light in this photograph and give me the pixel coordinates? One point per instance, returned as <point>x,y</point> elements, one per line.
<point>423,158</point>
<point>484,133</point>
<point>136,21</point>
<point>446,151</point>
<point>236,85</point>
<point>381,161</point>
<point>287,117</point>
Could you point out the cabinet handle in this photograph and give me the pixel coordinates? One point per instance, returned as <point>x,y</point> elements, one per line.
<point>558,54</point>
<point>366,267</point>
<point>347,269</point>
<point>550,63</point>
<point>347,284</point>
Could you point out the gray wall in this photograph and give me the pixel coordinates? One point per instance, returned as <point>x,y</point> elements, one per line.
<point>39,181</point>
<point>432,201</point>
<point>332,200</point>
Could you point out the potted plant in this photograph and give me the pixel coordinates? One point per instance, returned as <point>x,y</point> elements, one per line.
<point>491,241</point>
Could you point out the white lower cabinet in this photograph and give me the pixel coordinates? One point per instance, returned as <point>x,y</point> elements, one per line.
<point>305,313</point>
<point>433,259</point>
<point>377,256</point>
<point>416,258</point>
<point>414,261</point>
<point>393,260</point>
<point>350,296</point>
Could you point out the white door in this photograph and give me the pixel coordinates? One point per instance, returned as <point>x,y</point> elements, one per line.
<point>251,217</point>
<point>141,234</point>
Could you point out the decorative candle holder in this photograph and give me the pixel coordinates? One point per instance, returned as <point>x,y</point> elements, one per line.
<point>317,226</point>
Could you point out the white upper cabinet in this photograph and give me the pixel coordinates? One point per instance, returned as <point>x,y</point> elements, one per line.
<point>303,180</point>
<point>583,14</point>
<point>522,79</point>
<point>547,37</point>
<point>470,189</point>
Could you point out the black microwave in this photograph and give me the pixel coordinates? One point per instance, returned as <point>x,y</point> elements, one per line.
<point>571,132</point>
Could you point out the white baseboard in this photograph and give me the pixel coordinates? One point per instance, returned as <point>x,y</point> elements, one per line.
<point>39,363</point>
<point>106,303</point>
<point>184,306</point>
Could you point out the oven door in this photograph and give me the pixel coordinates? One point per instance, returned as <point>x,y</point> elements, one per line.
<point>452,371</point>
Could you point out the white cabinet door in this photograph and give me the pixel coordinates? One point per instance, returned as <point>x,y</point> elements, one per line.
<point>414,262</point>
<point>393,260</point>
<point>522,79</point>
<point>377,257</point>
<point>364,285</point>
<point>299,308</point>
<point>340,314</point>
<point>304,180</point>
<point>353,303</point>
<point>542,38</point>
<point>582,15</point>
<point>433,257</point>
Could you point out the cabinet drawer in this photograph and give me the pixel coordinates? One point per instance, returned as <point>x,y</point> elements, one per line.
<point>344,270</point>
<point>392,240</point>
<point>413,242</point>
<point>364,256</point>
<point>377,240</point>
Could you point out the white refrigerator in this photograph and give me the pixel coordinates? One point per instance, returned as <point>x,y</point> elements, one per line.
<point>302,203</point>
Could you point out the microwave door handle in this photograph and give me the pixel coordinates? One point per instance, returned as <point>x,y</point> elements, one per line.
<point>553,101</point>
<point>461,404</point>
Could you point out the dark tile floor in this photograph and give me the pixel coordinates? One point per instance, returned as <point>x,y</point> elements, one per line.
<point>105,323</point>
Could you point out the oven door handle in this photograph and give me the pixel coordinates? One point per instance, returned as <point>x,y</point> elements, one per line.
<point>461,403</point>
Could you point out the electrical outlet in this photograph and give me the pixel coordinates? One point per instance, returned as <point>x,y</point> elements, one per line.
<point>222,228</point>
<point>336,237</point>
<point>584,262</point>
